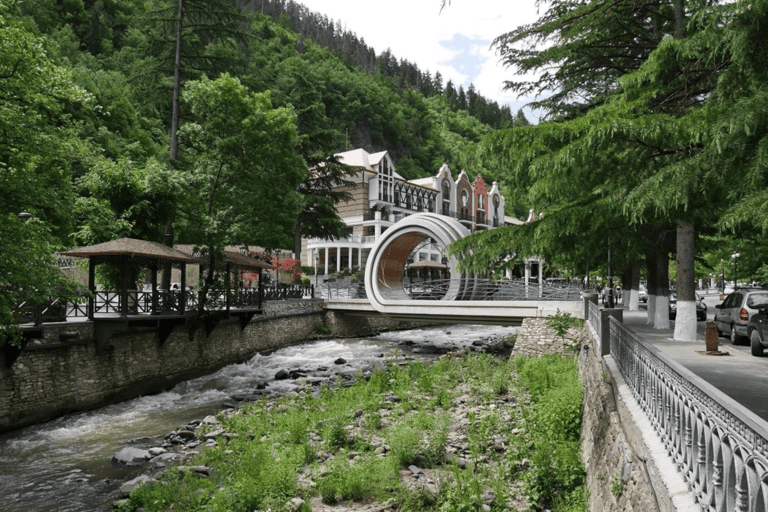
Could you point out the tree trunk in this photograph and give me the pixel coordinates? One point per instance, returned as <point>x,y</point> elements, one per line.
<point>166,278</point>
<point>634,284</point>
<point>176,86</point>
<point>685,321</point>
<point>661,306</point>
<point>650,264</point>
<point>297,243</point>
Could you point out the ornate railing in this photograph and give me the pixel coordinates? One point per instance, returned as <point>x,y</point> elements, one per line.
<point>288,291</point>
<point>720,448</point>
<point>342,290</point>
<point>140,303</point>
<point>475,289</point>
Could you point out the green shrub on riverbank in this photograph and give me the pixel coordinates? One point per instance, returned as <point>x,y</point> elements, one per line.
<point>482,431</point>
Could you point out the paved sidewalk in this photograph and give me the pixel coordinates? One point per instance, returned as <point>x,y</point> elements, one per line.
<point>741,376</point>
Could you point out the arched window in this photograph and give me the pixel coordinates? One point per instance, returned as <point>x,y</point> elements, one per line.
<point>480,202</point>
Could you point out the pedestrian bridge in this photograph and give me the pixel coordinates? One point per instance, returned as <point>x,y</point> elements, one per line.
<point>438,293</point>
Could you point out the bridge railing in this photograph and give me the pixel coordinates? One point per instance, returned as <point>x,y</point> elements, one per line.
<point>719,447</point>
<point>475,289</point>
<point>341,290</point>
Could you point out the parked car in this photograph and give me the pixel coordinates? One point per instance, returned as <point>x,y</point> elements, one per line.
<point>701,308</point>
<point>737,309</point>
<point>758,330</point>
<point>643,293</point>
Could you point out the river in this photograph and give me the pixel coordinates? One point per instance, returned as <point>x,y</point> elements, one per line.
<point>66,464</point>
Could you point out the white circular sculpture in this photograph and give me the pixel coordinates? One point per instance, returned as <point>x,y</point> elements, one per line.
<point>387,260</point>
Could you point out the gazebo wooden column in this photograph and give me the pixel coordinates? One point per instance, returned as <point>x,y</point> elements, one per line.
<point>154,289</point>
<point>124,288</point>
<point>227,285</point>
<point>183,293</point>
<point>261,289</point>
<point>91,288</point>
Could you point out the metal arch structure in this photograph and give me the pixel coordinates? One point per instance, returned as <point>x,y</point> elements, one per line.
<point>461,300</point>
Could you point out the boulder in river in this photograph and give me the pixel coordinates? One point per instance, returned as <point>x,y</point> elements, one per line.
<point>129,455</point>
<point>128,487</point>
<point>281,375</point>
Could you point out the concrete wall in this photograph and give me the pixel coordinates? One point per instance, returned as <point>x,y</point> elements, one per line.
<point>51,378</point>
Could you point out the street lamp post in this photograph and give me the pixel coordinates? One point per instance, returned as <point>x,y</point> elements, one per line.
<point>722,279</point>
<point>317,258</point>
<point>735,257</point>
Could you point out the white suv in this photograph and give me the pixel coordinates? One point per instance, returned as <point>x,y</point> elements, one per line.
<point>643,297</point>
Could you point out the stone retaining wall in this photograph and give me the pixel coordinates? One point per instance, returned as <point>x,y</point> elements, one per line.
<point>616,477</point>
<point>535,339</point>
<point>291,306</point>
<point>51,378</point>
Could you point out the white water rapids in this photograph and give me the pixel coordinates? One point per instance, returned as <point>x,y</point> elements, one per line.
<point>65,464</point>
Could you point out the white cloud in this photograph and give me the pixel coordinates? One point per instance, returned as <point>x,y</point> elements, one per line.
<point>417,31</point>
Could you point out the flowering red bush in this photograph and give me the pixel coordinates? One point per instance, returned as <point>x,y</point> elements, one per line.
<point>289,265</point>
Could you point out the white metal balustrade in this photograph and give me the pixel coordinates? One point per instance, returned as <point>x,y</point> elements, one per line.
<point>720,448</point>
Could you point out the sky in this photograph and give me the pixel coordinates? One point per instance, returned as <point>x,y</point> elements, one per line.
<point>455,42</point>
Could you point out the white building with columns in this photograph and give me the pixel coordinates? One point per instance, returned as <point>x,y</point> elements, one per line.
<point>382,197</point>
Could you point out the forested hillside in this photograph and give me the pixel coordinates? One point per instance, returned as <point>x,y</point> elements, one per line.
<point>198,119</point>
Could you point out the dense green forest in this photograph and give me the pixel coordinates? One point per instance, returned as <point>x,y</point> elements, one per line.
<point>197,118</point>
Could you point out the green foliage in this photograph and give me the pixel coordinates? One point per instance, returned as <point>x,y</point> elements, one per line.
<point>335,432</point>
<point>617,486</point>
<point>405,442</point>
<point>556,474</point>
<point>38,144</point>
<point>260,468</point>
<point>561,323</point>
<point>461,494</point>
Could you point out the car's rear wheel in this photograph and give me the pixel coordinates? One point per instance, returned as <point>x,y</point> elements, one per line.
<point>735,338</point>
<point>755,345</point>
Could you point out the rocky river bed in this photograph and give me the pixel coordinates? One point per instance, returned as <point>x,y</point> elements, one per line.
<point>73,463</point>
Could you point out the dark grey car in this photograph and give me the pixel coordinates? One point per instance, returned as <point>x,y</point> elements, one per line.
<point>758,330</point>
<point>733,315</point>
<point>701,308</point>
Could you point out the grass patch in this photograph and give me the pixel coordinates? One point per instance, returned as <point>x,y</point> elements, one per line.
<point>480,428</point>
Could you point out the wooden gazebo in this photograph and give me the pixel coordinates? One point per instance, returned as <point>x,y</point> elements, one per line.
<point>431,267</point>
<point>127,252</point>
<point>246,303</point>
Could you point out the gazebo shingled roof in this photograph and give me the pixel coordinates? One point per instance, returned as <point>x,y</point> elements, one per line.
<point>244,262</point>
<point>136,249</point>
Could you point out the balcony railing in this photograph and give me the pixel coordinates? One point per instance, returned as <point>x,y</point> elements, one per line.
<point>168,301</point>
